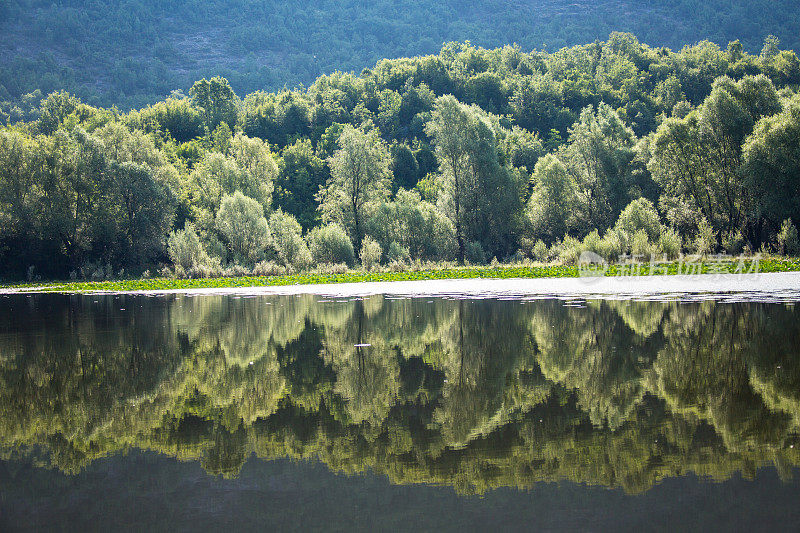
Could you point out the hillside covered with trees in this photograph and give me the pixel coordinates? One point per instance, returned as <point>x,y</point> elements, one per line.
<point>466,155</point>
<point>131,53</point>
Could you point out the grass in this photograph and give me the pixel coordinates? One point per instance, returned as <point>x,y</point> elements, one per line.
<point>769,264</point>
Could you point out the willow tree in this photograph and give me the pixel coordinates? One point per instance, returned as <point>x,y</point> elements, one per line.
<point>479,195</point>
<point>771,159</point>
<point>360,180</point>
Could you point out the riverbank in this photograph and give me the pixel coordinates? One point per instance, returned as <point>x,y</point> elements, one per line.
<point>674,277</point>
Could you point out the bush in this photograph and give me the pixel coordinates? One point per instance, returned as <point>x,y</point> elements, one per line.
<point>370,253</point>
<point>269,268</point>
<point>669,243</point>
<point>241,222</point>
<point>331,268</point>
<point>397,254</point>
<point>330,244</point>
<point>591,242</point>
<point>539,251</point>
<point>788,243</point>
<point>185,249</point>
<point>640,245</point>
<point>288,241</point>
<point>569,250</point>
<point>611,247</point>
<point>640,214</point>
<point>474,253</point>
<point>212,269</point>
<point>733,242</point>
<point>704,239</point>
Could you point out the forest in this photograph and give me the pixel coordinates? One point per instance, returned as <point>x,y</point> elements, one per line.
<point>473,394</point>
<point>468,155</point>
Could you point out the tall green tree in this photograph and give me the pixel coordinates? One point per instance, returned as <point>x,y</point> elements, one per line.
<point>551,208</point>
<point>772,166</point>
<point>360,180</point>
<point>217,101</point>
<point>479,195</point>
<point>599,157</point>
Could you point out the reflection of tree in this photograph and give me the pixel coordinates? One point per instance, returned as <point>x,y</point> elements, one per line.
<point>486,344</point>
<point>703,371</point>
<point>597,354</point>
<point>473,394</point>
<point>366,368</point>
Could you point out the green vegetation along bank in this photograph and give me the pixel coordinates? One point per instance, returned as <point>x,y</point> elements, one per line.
<point>671,268</point>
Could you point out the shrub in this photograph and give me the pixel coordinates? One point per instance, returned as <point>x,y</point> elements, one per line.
<point>370,253</point>
<point>474,254</point>
<point>269,268</point>
<point>591,242</point>
<point>331,268</point>
<point>241,222</point>
<point>539,251</point>
<point>611,247</point>
<point>640,245</point>
<point>669,243</point>
<point>569,250</point>
<point>288,241</point>
<point>788,243</point>
<point>330,244</point>
<point>640,214</point>
<point>185,249</point>
<point>397,254</point>
<point>704,239</point>
<point>237,271</point>
<point>733,242</point>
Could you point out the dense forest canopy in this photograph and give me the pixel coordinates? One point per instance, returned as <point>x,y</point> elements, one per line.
<point>131,53</point>
<point>466,155</point>
<point>473,394</point>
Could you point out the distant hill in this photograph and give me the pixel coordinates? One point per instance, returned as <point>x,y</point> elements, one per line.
<point>132,52</point>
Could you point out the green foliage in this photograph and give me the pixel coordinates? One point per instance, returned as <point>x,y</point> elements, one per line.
<point>478,194</point>
<point>288,241</point>
<point>397,253</point>
<point>539,251</point>
<point>174,116</point>
<point>371,253</point>
<point>640,215</point>
<point>185,249</point>
<point>301,175</point>
<point>330,244</point>
<point>474,253</point>
<point>216,101</point>
<point>421,229</point>
<point>771,158</point>
<point>412,154</point>
<point>788,242</point>
<point>240,220</point>
<point>550,207</point>
<point>359,181</point>
<point>130,54</point>
<point>704,240</point>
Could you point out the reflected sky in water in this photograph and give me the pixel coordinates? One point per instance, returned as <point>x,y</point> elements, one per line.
<point>429,400</point>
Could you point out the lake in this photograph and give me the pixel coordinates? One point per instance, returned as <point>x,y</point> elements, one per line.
<point>307,412</point>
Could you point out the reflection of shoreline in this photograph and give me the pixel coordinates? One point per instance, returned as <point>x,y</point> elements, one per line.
<point>779,286</point>
<point>475,394</point>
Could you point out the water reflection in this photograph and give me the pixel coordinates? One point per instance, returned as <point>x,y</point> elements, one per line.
<point>474,394</point>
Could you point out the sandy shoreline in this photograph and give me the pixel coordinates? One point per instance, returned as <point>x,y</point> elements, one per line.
<point>774,286</point>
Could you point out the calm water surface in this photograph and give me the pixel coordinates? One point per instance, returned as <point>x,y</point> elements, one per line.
<point>301,412</point>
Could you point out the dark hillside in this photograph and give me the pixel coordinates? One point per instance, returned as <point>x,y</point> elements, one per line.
<point>133,52</point>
